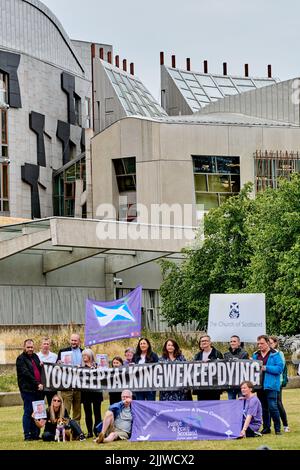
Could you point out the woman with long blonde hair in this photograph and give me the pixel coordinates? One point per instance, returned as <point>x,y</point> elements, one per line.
<point>54,413</point>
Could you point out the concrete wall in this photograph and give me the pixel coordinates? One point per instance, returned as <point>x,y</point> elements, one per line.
<point>28,297</point>
<point>164,152</point>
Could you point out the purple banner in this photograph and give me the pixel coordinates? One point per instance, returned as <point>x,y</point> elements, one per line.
<point>186,421</point>
<point>118,319</point>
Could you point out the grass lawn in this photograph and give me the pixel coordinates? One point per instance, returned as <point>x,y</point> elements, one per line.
<point>11,435</point>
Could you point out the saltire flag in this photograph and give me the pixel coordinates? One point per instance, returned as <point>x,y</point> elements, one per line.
<point>117,319</point>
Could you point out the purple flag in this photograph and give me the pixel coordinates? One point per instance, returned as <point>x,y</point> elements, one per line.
<point>118,319</point>
<point>186,420</point>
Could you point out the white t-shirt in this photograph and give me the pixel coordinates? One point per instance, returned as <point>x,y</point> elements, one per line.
<point>143,359</point>
<point>205,355</point>
<point>51,358</point>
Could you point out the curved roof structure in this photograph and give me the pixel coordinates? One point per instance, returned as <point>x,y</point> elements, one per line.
<point>29,27</point>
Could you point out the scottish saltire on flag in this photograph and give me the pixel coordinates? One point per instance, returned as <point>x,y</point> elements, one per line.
<point>117,319</point>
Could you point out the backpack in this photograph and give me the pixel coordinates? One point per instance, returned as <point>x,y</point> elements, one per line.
<point>285,378</point>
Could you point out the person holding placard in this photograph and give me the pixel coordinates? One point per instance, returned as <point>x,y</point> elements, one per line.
<point>29,371</point>
<point>72,398</point>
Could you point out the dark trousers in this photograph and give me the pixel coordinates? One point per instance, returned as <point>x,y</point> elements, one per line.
<point>29,427</point>
<point>282,411</point>
<point>268,399</point>
<point>149,396</point>
<point>49,396</point>
<point>92,405</point>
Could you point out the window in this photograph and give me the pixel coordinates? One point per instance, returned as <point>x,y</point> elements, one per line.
<point>64,188</point>
<point>270,166</point>
<point>88,119</point>
<point>78,119</point>
<point>125,171</point>
<point>3,88</point>
<point>4,185</point>
<point>216,178</point>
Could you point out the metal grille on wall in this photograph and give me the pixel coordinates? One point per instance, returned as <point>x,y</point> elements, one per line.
<point>151,316</point>
<point>272,165</point>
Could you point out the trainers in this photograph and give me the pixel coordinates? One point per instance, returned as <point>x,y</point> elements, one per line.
<point>286,429</point>
<point>82,437</point>
<point>100,438</point>
<point>257,434</point>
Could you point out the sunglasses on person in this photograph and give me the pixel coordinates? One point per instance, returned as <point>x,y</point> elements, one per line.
<point>59,401</point>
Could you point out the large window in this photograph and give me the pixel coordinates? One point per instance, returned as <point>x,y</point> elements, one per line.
<point>270,166</point>
<point>3,89</point>
<point>125,170</point>
<point>64,188</point>
<point>4,157</point>
<point>216,179</point>
<point>4,194</point>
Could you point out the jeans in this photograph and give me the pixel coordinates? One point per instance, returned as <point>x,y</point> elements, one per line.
<point>150,396</point>
<point>268,399</point>
<point>29,427</point>
<point>234,393</point>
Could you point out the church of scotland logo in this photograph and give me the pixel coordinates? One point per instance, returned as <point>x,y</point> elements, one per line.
<point>234,311</point>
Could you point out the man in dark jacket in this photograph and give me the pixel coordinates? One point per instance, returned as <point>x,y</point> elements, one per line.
<point>72,398</point>
<point>30,384</point>
<point>207,353</point>
<point>235,353</point>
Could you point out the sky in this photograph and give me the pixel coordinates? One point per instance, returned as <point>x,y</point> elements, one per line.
<point>257,32</point>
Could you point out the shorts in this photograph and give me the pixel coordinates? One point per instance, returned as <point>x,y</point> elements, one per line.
<point>122,435</point>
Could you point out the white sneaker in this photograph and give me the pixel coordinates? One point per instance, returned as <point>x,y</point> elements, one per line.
<point>286,429</point>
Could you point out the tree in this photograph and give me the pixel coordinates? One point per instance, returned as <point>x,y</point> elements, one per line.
<point>216,267</point>
<point>273,238</point>
<point>250,246</point>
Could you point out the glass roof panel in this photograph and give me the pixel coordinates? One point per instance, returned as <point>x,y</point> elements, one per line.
<point>205,80</point>
<point>223,81</point>
<point>261,83</point>
<point>229,90</point>
<point>133,95</point>
<point>242,81</point>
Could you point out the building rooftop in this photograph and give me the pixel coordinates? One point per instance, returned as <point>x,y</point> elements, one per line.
<point>133,95</point>
<point>201,89</point>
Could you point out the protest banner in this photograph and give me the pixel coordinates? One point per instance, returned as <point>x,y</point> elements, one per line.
<point>186,421</point>
<point>110,321</point>
<point>158,376</point>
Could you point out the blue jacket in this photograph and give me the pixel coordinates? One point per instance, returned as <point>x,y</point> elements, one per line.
<point>116,408</point>
<point>274,369</point>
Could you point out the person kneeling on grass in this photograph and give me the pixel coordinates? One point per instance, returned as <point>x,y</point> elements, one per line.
<point>55,412</point>
<point>117,422</point>
<point>252,413</point>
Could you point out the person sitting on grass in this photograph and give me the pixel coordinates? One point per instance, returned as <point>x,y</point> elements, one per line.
<point>54,413</point>
<point>117,422</point>
<point>252,413</point>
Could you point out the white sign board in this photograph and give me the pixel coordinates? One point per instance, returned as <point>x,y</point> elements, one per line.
<point>243,315</point>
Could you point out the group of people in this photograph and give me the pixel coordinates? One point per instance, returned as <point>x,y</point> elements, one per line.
<point>258,409</point>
